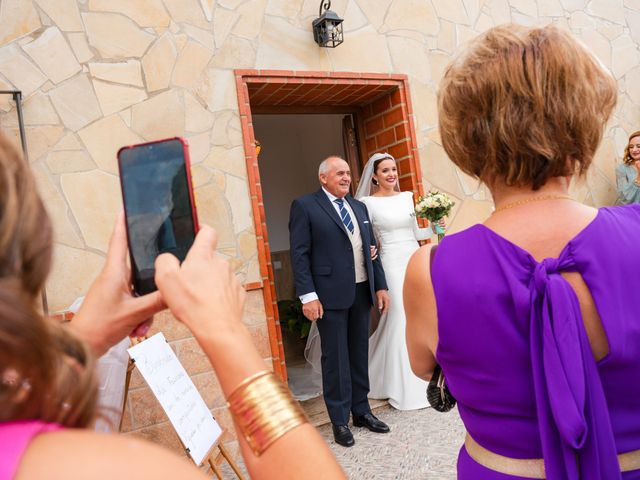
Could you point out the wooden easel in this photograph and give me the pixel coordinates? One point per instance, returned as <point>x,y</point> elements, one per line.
<point>222,452</point>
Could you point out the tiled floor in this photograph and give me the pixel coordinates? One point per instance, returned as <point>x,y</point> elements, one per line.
<point>422,444</point>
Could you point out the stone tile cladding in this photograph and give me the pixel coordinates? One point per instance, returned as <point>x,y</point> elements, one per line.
<point>98,74</point>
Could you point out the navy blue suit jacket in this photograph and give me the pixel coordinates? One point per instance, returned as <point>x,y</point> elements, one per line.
<point>321,252</point>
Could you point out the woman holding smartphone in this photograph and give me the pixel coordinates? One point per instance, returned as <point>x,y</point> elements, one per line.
<point>47,377</point>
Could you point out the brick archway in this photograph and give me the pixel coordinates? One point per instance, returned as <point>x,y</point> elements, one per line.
<point>382,108</point>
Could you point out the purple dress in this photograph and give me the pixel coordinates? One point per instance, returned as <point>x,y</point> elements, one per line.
<point>516,355</point>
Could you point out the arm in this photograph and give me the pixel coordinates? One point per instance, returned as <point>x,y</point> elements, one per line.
<point>628,190</point>
<point>300,250</point>
<point>103,457</point>
<point>379,279</point>
<point>205,294</point>
<point>421,233</point>
<point>300,247</point>
<point>422,316</point>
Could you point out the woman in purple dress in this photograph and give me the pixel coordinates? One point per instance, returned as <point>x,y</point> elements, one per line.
<point>530,314</point>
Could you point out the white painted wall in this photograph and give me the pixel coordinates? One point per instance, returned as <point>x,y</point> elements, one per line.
<point>292,148</point>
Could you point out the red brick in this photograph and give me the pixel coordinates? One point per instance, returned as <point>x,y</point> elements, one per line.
<point>311,73</point>
<point>401,132</point>
<point>277,73</point>
<point>399,151</point>
<point>412,131</point>
<point>406,95</point>
<point>396,97</point>
<point>244,72</point>
<point>345,74</point>
<point>252,286</point>
<point>406,184</point>
<point>404,166</point>
<point>381,105</point>
<point>377,76</point>
<point>388,137</point>
<point>373,126</point>
<point>393,117</point>
<point>371,145</point>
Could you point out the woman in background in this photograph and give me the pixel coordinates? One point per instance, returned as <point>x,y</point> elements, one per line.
<point>627,180</point>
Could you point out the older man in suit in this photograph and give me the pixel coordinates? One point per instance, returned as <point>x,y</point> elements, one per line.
<point>337,280</point>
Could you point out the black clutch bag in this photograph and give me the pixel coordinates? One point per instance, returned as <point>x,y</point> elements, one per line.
<point>438,395</point>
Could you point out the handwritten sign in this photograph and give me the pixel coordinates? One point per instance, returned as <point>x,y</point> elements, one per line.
<point>177,395</point>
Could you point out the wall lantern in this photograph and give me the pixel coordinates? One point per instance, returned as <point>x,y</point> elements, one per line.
<point>327,29</point>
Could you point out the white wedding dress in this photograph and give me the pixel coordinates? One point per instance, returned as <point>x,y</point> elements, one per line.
<point>397,232</point>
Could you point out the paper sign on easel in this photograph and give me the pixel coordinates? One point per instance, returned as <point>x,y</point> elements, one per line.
<point>177,395</point>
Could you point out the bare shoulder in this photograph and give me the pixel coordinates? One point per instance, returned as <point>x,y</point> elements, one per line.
<point>75,454</point>
<point>417,274</point>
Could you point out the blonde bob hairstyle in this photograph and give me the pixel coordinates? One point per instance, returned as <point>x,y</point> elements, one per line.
<point>523,105</point>
<point>627,158</point>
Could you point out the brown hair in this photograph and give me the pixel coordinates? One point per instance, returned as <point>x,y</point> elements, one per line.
<point>45,373</point>
<point>376,163</point>
<point>523,105</point>
<point>626,158</point>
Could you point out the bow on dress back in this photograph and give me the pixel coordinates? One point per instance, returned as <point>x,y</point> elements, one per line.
<point>514,348</point>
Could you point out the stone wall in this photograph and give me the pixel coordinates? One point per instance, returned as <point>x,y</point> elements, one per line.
<point>98,74</point>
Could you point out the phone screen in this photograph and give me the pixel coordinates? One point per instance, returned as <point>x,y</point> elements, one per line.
<point>157,203</point>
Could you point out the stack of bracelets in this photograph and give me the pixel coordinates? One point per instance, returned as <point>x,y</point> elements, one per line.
<point>264,410</point>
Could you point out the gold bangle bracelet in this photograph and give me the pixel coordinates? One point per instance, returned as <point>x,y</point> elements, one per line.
<point>247,381</point>
<point>264,410</point>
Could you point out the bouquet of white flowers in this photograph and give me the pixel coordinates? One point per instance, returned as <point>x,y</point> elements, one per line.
<point>434,206</point>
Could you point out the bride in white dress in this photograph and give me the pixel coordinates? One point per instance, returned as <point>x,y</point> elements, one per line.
<point>397,233</point>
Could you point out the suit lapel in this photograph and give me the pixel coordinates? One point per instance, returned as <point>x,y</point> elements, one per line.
<point>325,203</point>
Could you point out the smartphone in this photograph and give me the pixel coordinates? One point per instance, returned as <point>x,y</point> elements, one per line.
<point>159,206</point>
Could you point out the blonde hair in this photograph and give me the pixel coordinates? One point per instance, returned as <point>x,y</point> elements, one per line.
<point>45,373</point>
<point>522,105</point>
<point>626,158</point>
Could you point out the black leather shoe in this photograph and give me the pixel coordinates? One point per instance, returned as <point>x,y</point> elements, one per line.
<point>343,435</point>
<point>372,423</point>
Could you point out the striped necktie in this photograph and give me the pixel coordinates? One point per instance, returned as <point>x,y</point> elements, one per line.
<point>344,214</point>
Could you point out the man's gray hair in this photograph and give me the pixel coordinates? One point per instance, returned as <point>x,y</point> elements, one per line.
<point>324,165</point>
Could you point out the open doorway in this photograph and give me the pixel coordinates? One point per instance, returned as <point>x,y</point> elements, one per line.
<point>292,147</point>
<point>380,109</point>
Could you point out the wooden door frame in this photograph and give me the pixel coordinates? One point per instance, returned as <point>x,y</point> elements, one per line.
<point>410,179</point>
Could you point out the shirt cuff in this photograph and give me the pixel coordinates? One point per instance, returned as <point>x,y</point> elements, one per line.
<point>308,297</point>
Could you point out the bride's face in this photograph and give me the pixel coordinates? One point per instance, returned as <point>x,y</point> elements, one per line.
<point>386,174</point>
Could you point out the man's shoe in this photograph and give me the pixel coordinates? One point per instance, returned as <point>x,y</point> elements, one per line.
<point>343,435</point>
<point>369,421</point>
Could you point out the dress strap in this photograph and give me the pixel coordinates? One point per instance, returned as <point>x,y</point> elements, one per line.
<point>573,417</point>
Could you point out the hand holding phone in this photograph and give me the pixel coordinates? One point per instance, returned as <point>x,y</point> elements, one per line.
<point>159,205</point>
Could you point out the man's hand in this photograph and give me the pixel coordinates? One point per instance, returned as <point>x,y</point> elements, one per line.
<point>374,252</point>
<point>384,301</point>
<point>313,310</point>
